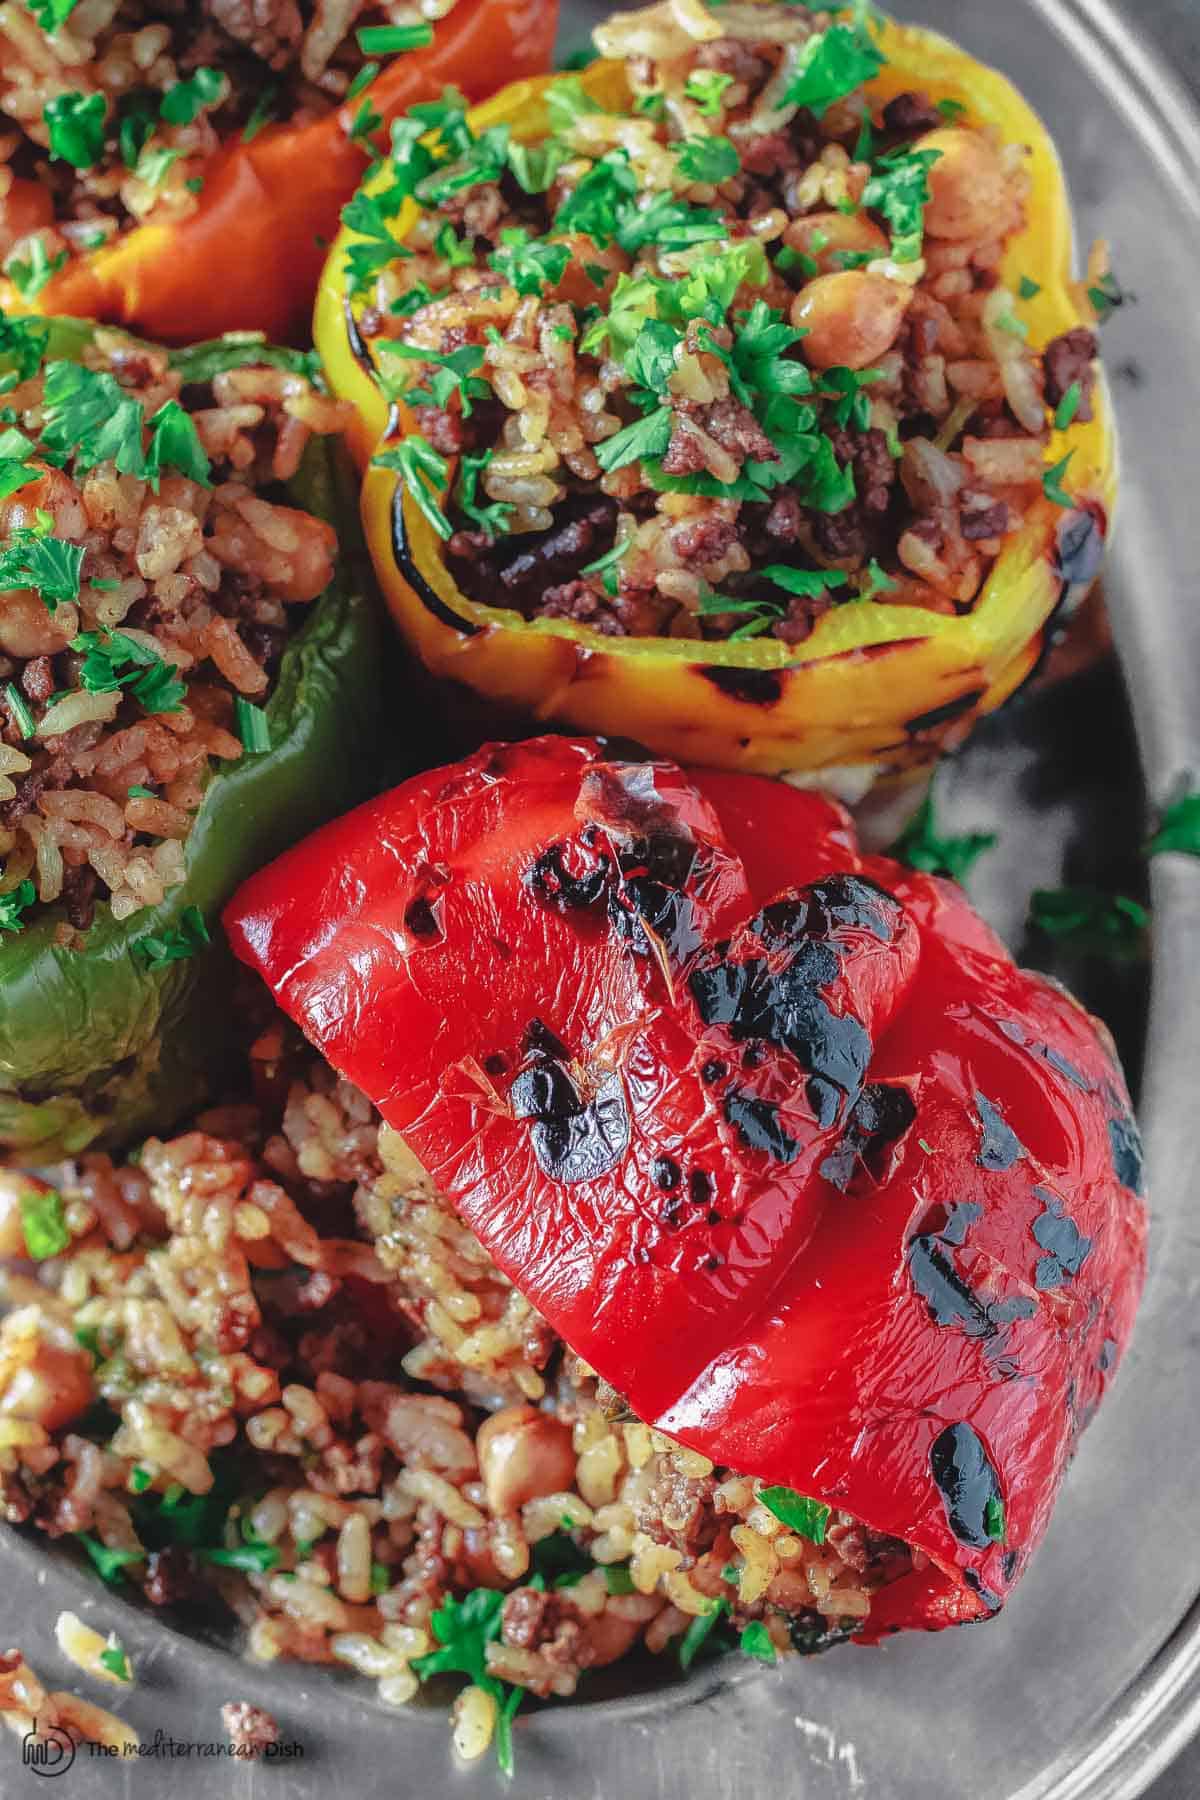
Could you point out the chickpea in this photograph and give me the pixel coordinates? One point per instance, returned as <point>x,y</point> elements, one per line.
<point>822,236</point>
<point>852,318</point>
<point>27,627</point>
<point>969,189</point>
<point>523,1454</point>
<point>45,1376</point>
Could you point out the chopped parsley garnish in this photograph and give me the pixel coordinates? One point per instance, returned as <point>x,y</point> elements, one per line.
<point>707,159</point>
<point>464,1628</point>
<point>253,727</point>
<point>480,159</point>
<point>1068,406</point>
<point>108,1562</point>
<point>765,612</point>
<point>670,224</point>
<point>177,944</point>
<point>807,1518</point>
<point>139,1478</point>
<point>43,1224</point>
<point>258,1559</point>
<point>114,660</point>
<point>1027,288</point>
<point>1052,485</point>
<point>651,106</point>
<point>264,110</point>
<point>699,1631</point>
<point>29,274</point>
<point>154,165</point>
<point>183,103</point>
<point>487,516</point>
<point>874,581</point>
<point>458,252</point>
<point>922,846</point>
<point>531,265</point>
<point>455,372</point>
<point>369,215</point>
<point>13,904</point>
<point>899,189</point>
<point>645,437</point>
<point>534,166</point>
<point>365,124</point>
<point>852,406</point>
<point>75,123</point>
<point>23,343</point>
<point>18,706</point>
<point>567,100</point>
<point>91,418</point>
<point>705,87</point>
<point>424,472</point>
<point>1091,921</point>
<point>951,110</point>
<point>993,1519</point>
<point>1106,295</point>
<point>33,559</point>
<point>175,443</point>
<point>381,1578</point>
<point>617,1579</point>
<point>755,1641</point>
<point>393,40</point>
<point>596,203</point>
<point>51,15</point>
<point>1178,828</point>
<point>114,1659</point>
<point>832,65</point>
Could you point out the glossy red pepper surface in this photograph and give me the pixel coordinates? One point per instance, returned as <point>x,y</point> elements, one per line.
<point>776,1136</point>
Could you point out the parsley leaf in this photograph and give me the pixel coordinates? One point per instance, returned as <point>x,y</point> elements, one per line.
<point>899,189</point>
<point>154,165</point>
<point>113,660</point>
<point>29,274</point>
<point>108,1562</point>
<point>852,407</point>
<point>369,215</point>
<point>807,1518</point>
<point>89,416</point>
<point>755,1641</point>
<point>23,343</point>
<point>454,372</point>
<point>75,123</point>
<point>13,904</point>
<point>651,357</point>
<point>531,265</point>
<point>464,1628</point>
<point>1068,406</point>
<point>253,727</point>
<point>394,40</point>
<point>594,205</point>
<point>177,944</point>
<point>922,846</point>
<point>705,87</point>
<point>699,1631</point>
<point>1091,921</point>
<point>32,559</point>
<point>19,709</point>
<point>993,1519</point>
<point>114,1659</point>
<point>534,166</point>
<point>710,160</point>
<point>424,472</point>
<point>175,443</point>
<point>1178,828</point>
<point>567,100</point>
<point>669,223</point>
<point>51,15</point>
<point>1106,296</point>
<point>645,437</point>
<point>43,1225</point>
<point>183,103</point>
<point>809,583</point>
<point>1052,485</point>
<point>1027,288</point>
<point>488,516</point>
<point>259,1559</point>
<point>482,159</point>
<point>832,65</point>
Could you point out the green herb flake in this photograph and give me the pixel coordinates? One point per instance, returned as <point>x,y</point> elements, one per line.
<point>617,1579</point>
<point>645,437</point>
<point>114,1659</point>
<point>1068,407</point>
<point>651,106</point>
<point>755,1641</point>
<point>183,103</point>
<point>258,1559</point>
<point>14,904</point>
<point>531,265</point>
<point>952,110</point>
<point>264,110</point>
<point>899,189</point>
<point>567,100</point>
<point>19,708</point>
<point>705,87</point>
<point>699,1631</point>
<point>43,1224</point>
<point>1052,485</point>
<point>381,1578</point>
<point>993,1519</point>
<point>75,123</point>
<point>31,559</point>
<point>1091,921</point>
<point>109,1563</point>
<point>922,846</point>
<point>154,165</point>
<point>463,1629</point>
<point>252,726</point>
<point>175,443</point>
<point>176,944</point>
<point>1178,828</point>
<point>394,40</point>
<point>832,65</point>
<point>596,203</point>
<point>807,1518</point>
<point>30,274</point>
<point>490,517</point>
<point>51,15</point>
<point>424,472</point>
<point>1106,296</point>
<point>710,160</point>
<point>139,1478</point>
<point>1027,288</point>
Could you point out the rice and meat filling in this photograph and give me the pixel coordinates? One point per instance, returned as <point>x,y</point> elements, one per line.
<point>149,580</point>
<point>113,109</point>
<point>719,361</point>
<point>266,1359</point>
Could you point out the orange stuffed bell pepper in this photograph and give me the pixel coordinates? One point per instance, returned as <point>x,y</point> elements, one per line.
<point>197,166</point>
<point>734,396</point>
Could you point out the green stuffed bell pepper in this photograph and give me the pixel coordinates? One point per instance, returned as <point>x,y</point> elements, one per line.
<point>189,681</point>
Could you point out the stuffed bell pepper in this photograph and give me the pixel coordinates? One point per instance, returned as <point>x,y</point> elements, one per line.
<point>733,396</point>
<point>775,1137</point>
<point>186,685</point>
<point>180,169</point>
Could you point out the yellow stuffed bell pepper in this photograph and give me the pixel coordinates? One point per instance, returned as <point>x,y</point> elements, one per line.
<point>791,605</point>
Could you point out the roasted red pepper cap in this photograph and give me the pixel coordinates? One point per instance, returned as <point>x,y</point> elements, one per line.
<point>776,1136</point>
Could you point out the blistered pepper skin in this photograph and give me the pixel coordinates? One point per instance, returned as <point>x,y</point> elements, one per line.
<point>249,256</point>
<point>777,1137</point>
<point>875,688</point>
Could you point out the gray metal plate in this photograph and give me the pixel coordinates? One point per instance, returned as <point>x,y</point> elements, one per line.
<point>1090,1682</point>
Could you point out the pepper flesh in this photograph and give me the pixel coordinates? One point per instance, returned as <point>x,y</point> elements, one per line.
<point>875,688</point>
<point>249,257</point>
<point>820,1181</point>
<point>95,1046</point>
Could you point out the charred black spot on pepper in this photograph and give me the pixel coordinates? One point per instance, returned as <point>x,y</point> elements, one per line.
<point>665,1172</point>
<point>945,714</point>
<point>1107,1356</point>
<point>713,1070</point>
<point>1008,1564</point>
<point>496,1063</point>
<point>586,1143</point>
<point>967,1482</point>
<point>1000,1147</point>
<point>1079,544</point>
<point>406,565</point>
<point>544,1092</point>
<point>700,1187</point>
<point>974,1580</point>
<point>950,1297</point>
<point>848,900</point>
<point>421,920</point>
<point>753,1057</point>
<point>1125,1142</point>
<point>880,1115</point>
<point>761,687</point>
<point>357,343</point>
<point>1065,1246</point>
<point>539,1040</point>
<point>552,882</point>
<point>757,1124</point>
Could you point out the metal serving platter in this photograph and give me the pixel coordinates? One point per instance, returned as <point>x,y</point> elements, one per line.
<point>1088,1686</point>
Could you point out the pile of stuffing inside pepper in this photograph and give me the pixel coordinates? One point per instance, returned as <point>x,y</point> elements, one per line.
<point>708,361</point>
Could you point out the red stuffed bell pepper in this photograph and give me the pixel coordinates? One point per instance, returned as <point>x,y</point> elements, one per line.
<point>775,1135</point>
